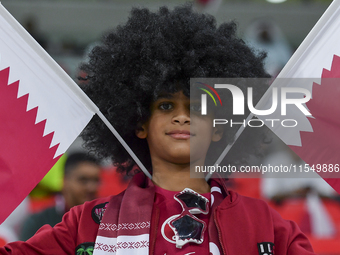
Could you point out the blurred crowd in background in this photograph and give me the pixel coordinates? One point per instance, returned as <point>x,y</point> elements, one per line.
<point>78,177</point>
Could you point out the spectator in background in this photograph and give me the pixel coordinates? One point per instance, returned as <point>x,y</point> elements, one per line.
<point>265,35</point>
<point>81,183</point>
<point>43,195</point>
<point>298,184</point>
<point>307,188</point>
<point>31,25</point>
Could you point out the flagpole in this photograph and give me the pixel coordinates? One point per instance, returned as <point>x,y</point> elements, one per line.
<point>124,144</point>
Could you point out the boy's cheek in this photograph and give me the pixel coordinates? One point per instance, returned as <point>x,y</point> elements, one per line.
<point>198,119</point>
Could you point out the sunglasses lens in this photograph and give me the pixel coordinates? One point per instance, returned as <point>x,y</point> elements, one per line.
<point>193,201</point>
<point>188,227</point>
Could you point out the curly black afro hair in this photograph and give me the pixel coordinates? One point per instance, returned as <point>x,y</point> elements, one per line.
<point>153,54</point>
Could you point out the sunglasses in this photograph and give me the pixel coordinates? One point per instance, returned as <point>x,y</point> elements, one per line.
<point>187,227</point>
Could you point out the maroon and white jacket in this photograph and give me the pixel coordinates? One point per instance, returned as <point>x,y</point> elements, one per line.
<point>244,225</point>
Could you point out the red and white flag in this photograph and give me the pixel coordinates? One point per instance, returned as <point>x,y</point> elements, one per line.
<point>42,111</point>
<point>316,138</point>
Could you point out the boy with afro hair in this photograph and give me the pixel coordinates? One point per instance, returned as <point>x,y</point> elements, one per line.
<point>139,78</point>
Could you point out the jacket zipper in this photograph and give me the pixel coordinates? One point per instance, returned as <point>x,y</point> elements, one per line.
<point>219,233</point>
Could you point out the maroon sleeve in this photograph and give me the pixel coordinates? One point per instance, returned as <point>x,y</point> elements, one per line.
<point>289,239</point>
<point>246,225</point>
<point>298,242</point>
<point>58,240</point>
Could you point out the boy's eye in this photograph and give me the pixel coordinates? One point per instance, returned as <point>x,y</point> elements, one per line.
<point>195,107</point>
<point>165,106</point>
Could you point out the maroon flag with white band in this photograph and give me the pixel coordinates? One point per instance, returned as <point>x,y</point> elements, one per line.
<point>315,66</point>
<point>42,111</point>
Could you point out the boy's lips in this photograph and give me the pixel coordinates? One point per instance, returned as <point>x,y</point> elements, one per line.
<point>180,134</point>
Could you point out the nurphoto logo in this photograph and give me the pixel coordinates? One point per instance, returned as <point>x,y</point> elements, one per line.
<point>281,98</point>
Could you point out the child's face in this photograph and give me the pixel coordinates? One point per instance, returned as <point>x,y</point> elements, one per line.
<point>171,131</point>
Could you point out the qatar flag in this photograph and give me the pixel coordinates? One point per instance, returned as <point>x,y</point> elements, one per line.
<point>42,111</point>
<point>315,67</point>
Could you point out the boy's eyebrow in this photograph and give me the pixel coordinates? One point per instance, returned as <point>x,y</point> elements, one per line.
<point>164,95</point>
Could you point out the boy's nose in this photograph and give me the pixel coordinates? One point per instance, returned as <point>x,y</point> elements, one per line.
<point>182,117</point>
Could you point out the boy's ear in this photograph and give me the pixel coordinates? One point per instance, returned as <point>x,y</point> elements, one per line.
<point>217,133</point>
<point>141,131</point>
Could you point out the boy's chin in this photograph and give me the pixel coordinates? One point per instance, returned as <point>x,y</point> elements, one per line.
<point>188,161</point>
<point>182,160</point>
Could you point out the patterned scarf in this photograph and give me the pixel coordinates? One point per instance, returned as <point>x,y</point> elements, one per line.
<point>125,226</point>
